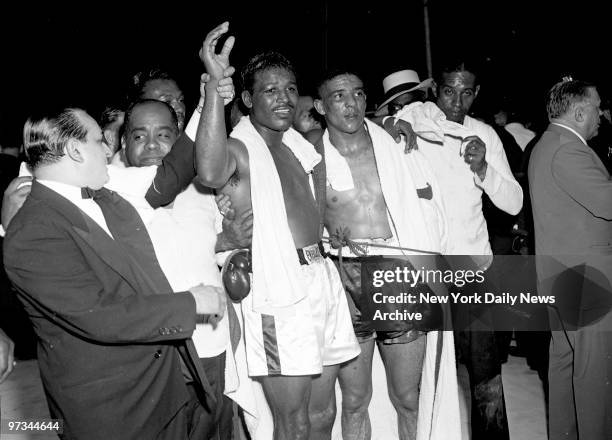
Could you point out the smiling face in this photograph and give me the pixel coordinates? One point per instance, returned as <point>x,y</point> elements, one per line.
<point>149,135</point>
<point>456,94</point>
<point>273,100</point>
<point>343,103</point>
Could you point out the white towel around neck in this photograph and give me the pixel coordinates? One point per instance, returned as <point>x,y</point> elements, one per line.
<point>400,175</point>
<point>430,123</point>
<point>277,280</point>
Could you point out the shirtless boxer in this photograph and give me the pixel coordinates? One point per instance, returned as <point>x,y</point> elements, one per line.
<point>297,322</point>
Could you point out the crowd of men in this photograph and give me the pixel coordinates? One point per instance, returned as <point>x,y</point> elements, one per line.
<point>117,229</point>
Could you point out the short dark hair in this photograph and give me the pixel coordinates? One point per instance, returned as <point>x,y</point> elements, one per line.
<point>45,137</point>
<point>140,80</point>
<point>109,115</point>
<point>263,61</point>
<point>563,95</point>
<point>458,65</point>
<point>332,73</point>
<point>133,105</point>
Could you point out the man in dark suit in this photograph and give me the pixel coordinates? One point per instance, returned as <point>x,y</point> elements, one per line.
<point>571,198</point>
<point>111,345</point>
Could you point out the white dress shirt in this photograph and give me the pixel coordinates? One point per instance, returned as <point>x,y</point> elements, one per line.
<point>73,194</point>
<point>462,189</point>
<point>521,135</point>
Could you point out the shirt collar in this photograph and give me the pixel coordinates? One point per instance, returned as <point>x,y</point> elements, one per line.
<point>572,130</point>
<point>70,192</point>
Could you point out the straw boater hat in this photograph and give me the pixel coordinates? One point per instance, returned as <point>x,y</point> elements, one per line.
<point>399,83</point>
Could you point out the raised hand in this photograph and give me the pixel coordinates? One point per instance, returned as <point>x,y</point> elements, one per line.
<point>216,64</point>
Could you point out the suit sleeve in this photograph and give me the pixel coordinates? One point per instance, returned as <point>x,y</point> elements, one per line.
<point>174,174</point>
<point>578,174</point>
<point>499,183</point>
<point>53,276</point>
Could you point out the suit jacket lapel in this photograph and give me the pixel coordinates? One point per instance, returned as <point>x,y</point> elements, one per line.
<point>87,229</point>
<point>122,262</point>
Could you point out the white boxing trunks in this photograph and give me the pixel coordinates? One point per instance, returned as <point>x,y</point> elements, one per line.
<point>318,334</point>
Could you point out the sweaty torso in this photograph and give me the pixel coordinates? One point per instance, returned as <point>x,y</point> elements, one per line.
<point>362,209</point>
<point>300,205</point>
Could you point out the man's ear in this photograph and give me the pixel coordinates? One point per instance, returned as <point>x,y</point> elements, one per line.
<point>579,113</point>
<point>318,105</point>
<point>476,90</point>
<point>434,89</point>
<point>109,136</point>
<point>246,99</point>
<point>73,150</point>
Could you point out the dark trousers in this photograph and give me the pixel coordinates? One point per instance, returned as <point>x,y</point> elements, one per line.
<point>194,421</point>
<point>477,349</point>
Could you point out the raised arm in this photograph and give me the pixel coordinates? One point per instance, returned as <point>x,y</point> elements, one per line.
<point>214,162</point>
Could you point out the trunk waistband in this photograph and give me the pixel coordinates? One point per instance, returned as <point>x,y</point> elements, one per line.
<point>311,254</point>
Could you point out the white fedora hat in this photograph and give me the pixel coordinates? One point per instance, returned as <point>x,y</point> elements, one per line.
<point>399,83</point>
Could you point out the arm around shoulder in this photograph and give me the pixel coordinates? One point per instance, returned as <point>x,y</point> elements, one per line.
<point>58,278</point>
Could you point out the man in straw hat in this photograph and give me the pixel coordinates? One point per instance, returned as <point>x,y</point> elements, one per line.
<point>401,88</point>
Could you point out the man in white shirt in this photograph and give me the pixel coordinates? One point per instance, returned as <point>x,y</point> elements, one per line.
<point>521,134</point>
<point>465,167</point>
<point>184,235</point>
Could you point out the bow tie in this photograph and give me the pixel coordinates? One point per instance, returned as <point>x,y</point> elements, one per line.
<point>88,193</point>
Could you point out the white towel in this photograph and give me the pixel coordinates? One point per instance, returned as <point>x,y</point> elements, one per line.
<point>439,415</point>
<point>400,176</point>
<point>277,281</point>
<point>338,173</point>
<point>430,123</point>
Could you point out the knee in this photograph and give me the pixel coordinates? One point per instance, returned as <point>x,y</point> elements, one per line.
<point>323,418</point>
<point>294,424</point>
<point>357,400</point>
<point>405,401</point>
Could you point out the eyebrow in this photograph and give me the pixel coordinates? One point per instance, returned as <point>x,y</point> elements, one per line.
<point>143,128</point>
<point>344,89</point>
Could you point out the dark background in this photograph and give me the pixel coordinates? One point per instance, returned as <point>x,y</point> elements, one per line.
<point>85,54</point>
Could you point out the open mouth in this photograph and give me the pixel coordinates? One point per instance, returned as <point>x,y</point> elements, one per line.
<point>283,110</point>
<point>157,160</point>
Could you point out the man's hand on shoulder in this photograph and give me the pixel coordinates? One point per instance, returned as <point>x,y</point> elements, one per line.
<point>398,128</point>
<point>14,196</point>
